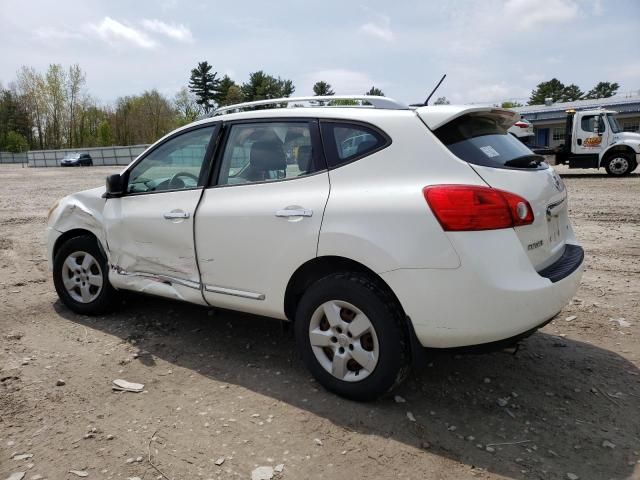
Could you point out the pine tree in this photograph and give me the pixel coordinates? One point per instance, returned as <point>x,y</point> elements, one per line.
<point>204,84</point>
<point>603,90</point>
<point>375,91</point>
<point>322,89</point>
<point>552,89</point>
<point>571,93</point>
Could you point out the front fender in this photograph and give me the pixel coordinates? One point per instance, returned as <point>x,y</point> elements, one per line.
<point>80,211</point>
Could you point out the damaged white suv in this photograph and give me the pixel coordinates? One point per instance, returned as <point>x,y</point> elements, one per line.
<point>377,229</point>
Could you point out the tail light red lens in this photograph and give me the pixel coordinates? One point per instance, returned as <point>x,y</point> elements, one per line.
<point>470,207</point>
<point>521,125</point>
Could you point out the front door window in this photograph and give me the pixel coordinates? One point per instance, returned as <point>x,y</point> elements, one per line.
<point>174,165</point>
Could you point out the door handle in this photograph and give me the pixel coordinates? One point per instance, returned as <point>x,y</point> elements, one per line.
<point>176,214</point>
<point>294,212</point>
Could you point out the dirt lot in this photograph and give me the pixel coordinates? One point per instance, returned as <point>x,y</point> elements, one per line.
<point>220,385</point>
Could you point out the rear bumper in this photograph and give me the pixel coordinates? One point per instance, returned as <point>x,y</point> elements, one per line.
<point>487,299</point>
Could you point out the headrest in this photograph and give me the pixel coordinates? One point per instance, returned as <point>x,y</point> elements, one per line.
<point>267,155</point>
<point>292,135</point>
<point>304,158</point>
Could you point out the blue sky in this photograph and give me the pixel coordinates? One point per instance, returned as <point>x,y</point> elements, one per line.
<point>492,50</point>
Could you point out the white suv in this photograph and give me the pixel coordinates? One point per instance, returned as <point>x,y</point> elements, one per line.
<point>375,228</point>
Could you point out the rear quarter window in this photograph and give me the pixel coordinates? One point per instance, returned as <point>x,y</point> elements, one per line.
<point>482,139</point>
<point>345,142</point>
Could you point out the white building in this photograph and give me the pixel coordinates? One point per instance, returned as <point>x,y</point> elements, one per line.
<point>548,120</point>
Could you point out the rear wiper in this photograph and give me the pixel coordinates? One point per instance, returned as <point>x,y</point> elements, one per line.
<point>525,161</point>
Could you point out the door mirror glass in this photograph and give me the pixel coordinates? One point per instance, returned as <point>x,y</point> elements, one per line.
<point>115,185</point>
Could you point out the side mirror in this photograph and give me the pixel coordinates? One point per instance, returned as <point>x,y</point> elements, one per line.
<point>115,186</point>
<point>596,125</point>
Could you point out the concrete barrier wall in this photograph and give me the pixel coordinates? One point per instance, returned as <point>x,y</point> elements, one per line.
<point>100,155</point>
<point>8,157</point>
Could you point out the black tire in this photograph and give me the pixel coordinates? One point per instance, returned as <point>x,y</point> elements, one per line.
<point>387,319</point>
<point>106,297</point>
<point>619,164</point>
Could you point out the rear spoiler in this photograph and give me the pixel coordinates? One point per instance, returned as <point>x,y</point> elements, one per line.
<point>437,116</point>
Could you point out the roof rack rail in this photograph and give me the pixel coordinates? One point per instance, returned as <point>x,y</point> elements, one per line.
<point>366,101</point>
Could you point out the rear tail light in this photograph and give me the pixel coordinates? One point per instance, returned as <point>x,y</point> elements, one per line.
<point>521,125</point>
<point>470,207</point>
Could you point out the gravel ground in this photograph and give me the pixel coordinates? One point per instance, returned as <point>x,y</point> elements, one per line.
<point>225,386</point>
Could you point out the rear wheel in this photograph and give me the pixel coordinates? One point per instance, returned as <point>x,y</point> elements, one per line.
<point>351,336</point>
<point>619,164</point>
<point>80,276</point>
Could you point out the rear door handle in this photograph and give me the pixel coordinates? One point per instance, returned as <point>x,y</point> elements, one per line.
<point>176,214</point>
<point>294,212</point>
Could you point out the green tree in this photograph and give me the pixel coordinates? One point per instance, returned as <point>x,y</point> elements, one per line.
<point>375,91</point>
<point>509,104</point>
<point>15,142</point>
<point>204,84</point>
<point>322,88</point>
<point>186,104</point>
<point>234,96</point>
<point>571,93</point>
<point>13,116</point>
<point>262,86</point>
<point>105,138</point>
<point>74,81</point>
<point>31,86</point>
<point>553,89</point>
<point>55,100</point>
<point>223,90</point>
<point>603,90</point>
<point>442,101</point>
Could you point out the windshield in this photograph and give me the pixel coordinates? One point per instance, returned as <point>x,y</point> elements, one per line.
<point>72,156</point>
<point>615,126</point>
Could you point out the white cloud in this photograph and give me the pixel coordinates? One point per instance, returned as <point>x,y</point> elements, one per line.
<point>528,14</point>
<point>112,31</point>
<point>343,82</point>
<point>380,28</point>
<point>174,32</point>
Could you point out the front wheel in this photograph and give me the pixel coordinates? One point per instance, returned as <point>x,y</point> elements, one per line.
<point>352,337</point>
<point>80,276</point>
<point>619,164</point>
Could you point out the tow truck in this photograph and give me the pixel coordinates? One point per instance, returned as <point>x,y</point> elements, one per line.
<point>594,139</point>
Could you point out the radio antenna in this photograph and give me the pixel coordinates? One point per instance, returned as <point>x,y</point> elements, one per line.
<point>426,102</point>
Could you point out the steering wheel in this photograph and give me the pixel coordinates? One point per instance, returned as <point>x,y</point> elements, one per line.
<point>173,184</point>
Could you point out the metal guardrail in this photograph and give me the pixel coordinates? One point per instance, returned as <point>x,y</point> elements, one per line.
<point>10,157</point>
<point>117,155</point>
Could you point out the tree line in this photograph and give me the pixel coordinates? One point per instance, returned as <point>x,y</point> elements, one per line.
<point>559,92</point>
<point>54,109</point>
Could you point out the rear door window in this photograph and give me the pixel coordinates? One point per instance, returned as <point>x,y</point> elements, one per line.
<point>345,142</point>
<point>269,151</point>
<point>482,139</point>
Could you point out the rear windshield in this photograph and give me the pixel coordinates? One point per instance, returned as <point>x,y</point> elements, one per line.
<point>482,139</point>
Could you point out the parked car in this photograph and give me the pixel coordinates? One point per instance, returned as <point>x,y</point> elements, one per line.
<point>522,129</point>
<point>76,160</point>
<point>438,230</point>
